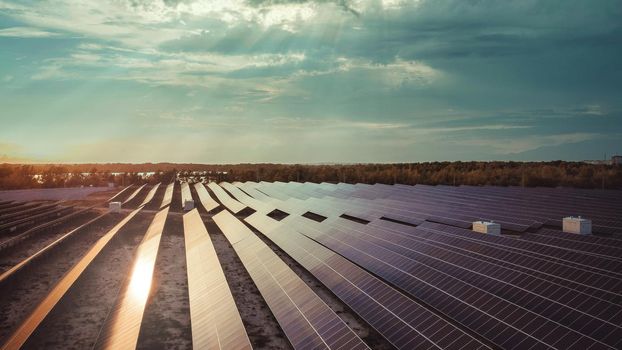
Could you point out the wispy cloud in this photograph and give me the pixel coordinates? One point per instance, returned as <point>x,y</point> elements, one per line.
<point>26,32</point>
<point>355,80</point>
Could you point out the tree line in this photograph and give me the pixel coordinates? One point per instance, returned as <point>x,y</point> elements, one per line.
<point>528,174</point>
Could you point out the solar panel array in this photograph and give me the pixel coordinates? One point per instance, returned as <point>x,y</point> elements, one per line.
<point>533,286</point>
<point>403,322</point>
<point>305,319</point>
<point>226,199</point>
<point>402,258</point>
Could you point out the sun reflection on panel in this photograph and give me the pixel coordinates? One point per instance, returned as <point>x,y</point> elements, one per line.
<point>140,283</point>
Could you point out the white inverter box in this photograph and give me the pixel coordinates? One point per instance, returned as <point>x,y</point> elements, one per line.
<point>488,227</point>
<point>577,225</point>
<point>114,207</point>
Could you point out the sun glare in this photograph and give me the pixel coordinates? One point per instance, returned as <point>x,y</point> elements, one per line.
<point>140,283</point>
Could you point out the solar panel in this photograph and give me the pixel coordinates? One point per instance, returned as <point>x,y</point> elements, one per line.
<point>134,194</point>
<point>206,200</point>
<point>579,280</point>
<point>514,214</point>
<point>186,195</point>
<point>150,195</point>
<point>168,195</point>
<point>306,320</point>
<point>249,188</point>
<point>485,313</point>
<point>603,251</point>
<point>214,317</point>
<point>28,261</point>
<point>400,320</point>
<point>582,240</point>
<point>555,303</point>
<point>119,193</point>
<point>18,208</point>
<point>246,199</point>
<point>19,337</point>
<point>33,218</point>
<point>122,326</point>
<point>226,199</point>
<point>597,265</point>
<point>37,209</point>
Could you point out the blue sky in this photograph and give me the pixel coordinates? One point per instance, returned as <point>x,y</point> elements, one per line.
<point>309,81</point>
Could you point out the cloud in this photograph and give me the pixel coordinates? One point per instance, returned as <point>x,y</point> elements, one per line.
<point>26,32</point>
<point>426,79</point>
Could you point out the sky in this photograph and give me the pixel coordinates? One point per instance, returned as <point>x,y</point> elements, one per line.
<point>309,81</point>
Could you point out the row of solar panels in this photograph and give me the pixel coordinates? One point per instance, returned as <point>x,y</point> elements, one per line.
<point>430,286</point>
<point>204,197</point>
<point>597,296</point>
<point>435,204</point>
<point>306,320</point>
<point>513,292</point>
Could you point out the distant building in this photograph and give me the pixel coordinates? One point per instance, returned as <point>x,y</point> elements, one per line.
<point>616,160</point>
<point>597,162</point>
